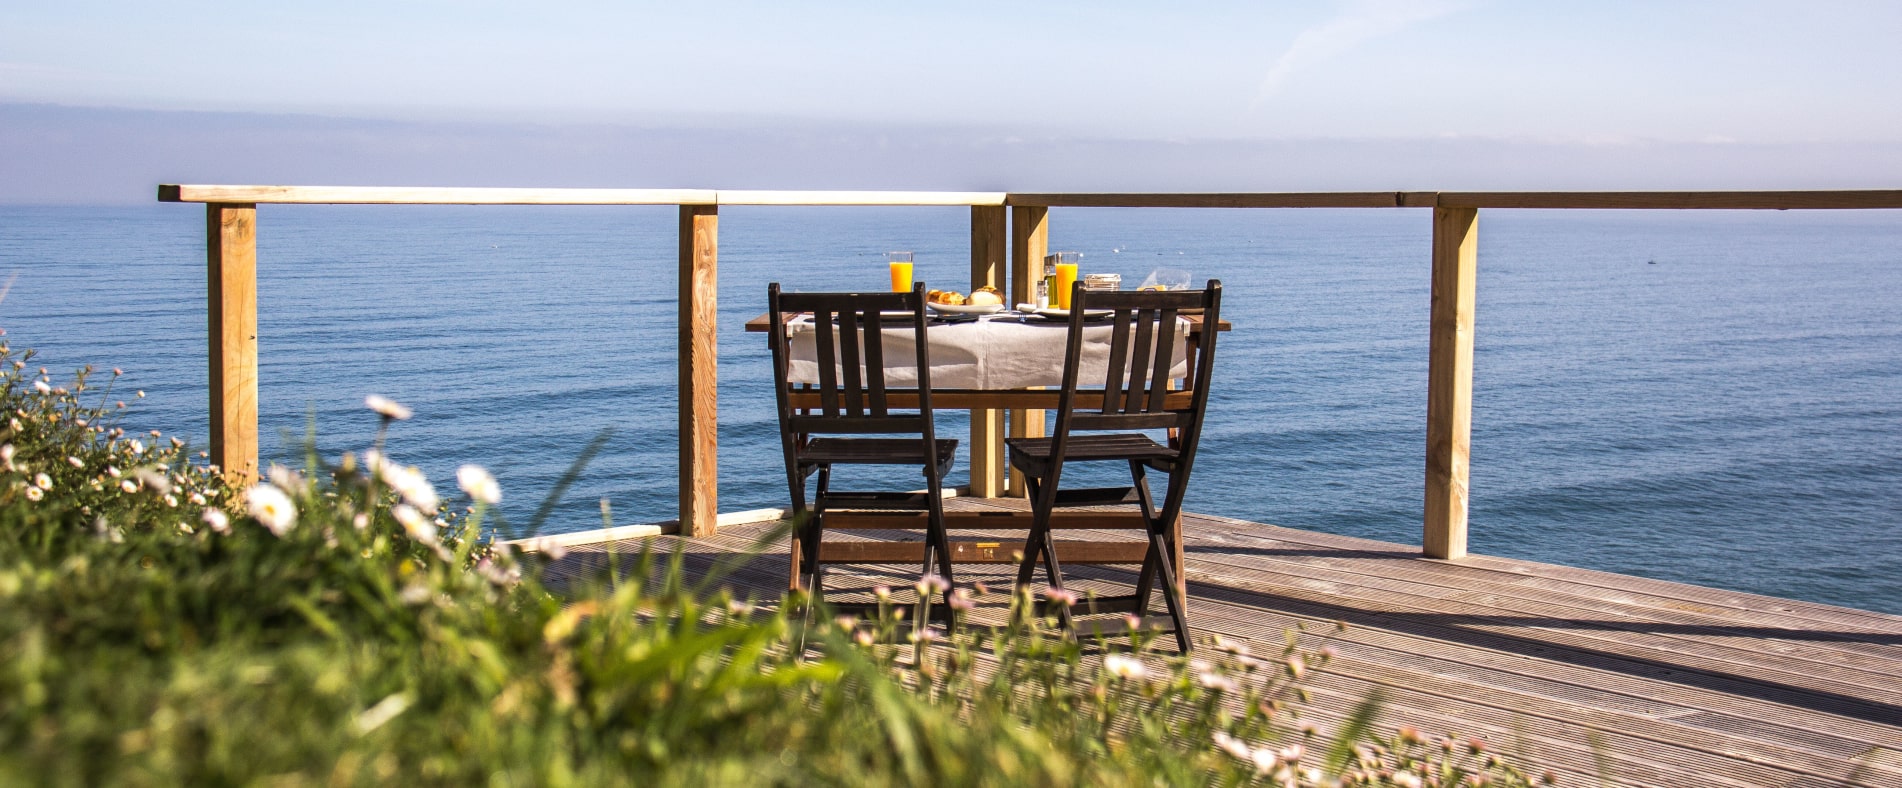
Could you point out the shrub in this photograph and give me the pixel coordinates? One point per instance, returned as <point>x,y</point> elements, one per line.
<point>335,627</point>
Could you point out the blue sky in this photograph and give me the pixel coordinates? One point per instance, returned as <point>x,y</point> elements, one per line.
<point>1798,78</point>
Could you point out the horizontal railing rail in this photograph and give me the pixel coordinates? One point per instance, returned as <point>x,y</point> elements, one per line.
<point>1009,237</point>
<point>455,195</point>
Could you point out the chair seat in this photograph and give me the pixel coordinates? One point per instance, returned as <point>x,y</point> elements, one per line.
<point>873,451</point>
<point>1028,454</point>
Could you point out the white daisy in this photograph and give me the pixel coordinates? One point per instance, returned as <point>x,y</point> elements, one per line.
<point>271,507</point>
<point>386,407</point>
<point>479,484</point>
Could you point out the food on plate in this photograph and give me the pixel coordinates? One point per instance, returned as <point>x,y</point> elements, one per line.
<point>986,296</point>
<point>946,297</point>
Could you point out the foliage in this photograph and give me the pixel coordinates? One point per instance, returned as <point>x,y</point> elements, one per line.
<point>158,627</point>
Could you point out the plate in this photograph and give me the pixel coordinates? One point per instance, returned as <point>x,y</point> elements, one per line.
<point>966,309</point>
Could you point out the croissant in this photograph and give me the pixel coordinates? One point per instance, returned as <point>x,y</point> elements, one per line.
<point>946,297</point>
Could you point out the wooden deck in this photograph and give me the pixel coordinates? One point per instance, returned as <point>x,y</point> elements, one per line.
<point>1587,673</point>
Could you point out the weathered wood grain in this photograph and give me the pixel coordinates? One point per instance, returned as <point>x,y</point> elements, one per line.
<point>1449,425</point>
<point>990,247</point>
<point>231,264</point>
<point>699,375</point>
<point>1029,242</point>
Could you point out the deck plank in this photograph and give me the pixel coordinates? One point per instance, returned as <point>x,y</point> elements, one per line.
<point>1669,684</point>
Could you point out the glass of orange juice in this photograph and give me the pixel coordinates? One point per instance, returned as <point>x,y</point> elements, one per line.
<point>1066,276</point>
<point>900,263</point>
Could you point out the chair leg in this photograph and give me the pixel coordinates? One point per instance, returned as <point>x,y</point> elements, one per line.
<point>1162,545</point>
<point>1145,585</point>
<point>1159,552</point>
<point>1033,545</point>
<point>1146,579</point>
<point>1044,501</point>
<point>935,529</point>
<point>815,534</point>
<point>796,552</point>
<point>1055,573</point>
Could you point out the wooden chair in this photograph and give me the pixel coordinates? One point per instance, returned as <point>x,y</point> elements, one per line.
<point>853,405</point>
<point>1137,396</point>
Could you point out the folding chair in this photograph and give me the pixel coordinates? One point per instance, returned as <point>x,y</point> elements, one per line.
<point>1136,396</point>
<point>848,332</point>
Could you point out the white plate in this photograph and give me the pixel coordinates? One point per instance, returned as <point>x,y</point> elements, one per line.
<point>966,309</point>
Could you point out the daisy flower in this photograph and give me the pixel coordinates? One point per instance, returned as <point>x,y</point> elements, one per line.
<point>271,507</point>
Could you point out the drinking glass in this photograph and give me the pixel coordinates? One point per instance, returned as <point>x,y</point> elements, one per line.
<point>900,263</point>
<point>1066,276</point>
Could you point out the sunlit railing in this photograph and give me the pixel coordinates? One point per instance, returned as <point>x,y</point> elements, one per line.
<point>1009,237</point>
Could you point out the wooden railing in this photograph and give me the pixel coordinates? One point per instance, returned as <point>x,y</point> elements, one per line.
<point>1005,253</point>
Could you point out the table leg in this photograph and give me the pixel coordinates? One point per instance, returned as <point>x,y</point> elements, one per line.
<point>987,453</point>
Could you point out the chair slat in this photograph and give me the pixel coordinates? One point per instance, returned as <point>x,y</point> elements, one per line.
<point>849,357</point>
<point>1127,421</point>
<point>828,361</point>
<point>1165,358</point>
<point>858,424</point>
<point>1113,379</point>
<point>1139,362</point>
<point>875,363</point>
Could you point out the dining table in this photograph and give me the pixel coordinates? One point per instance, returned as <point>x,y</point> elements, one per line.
<point>1007,361</point>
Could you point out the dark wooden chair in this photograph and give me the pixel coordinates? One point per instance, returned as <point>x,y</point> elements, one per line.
<point>854,407</point>
<point>1136,397</point>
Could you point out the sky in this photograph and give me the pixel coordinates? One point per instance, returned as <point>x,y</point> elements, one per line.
<point>1324,94</point>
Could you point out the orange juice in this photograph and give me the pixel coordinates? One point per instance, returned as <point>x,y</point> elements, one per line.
<point>1066,280</point>
<point>901,277</point>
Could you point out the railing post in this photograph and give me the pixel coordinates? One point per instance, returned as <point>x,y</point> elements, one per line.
<point>231,259</point>
<point>1029,242</point>
<point>1450,379</point>
<point>698,355</point>
<point>988,247</point>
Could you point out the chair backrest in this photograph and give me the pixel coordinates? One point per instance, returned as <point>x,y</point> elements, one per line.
<point>848,333</point>
<point>1143,333</point>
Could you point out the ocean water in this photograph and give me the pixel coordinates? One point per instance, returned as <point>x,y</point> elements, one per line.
<point>1708,397</point>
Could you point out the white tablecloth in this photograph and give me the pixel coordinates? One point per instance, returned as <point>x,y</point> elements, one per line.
<point>996,352</point>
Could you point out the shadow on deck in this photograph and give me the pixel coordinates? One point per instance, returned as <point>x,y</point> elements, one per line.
<point>1655,683</point>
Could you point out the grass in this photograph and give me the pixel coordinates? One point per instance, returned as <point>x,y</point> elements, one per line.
<point>340,625</point>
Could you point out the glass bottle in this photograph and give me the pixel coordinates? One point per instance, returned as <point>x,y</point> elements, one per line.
<point>1047,287</point>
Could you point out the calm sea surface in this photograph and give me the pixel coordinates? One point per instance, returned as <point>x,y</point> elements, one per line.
<point>1708,397</point>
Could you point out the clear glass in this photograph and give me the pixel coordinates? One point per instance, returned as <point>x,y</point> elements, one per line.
<point>900,264</point>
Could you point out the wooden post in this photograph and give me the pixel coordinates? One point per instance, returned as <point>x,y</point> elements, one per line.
<point>231,263</point>
<point>988,246</point>
<point>699,402</point>
<point>1029,242</point>
<point>1450,379</point>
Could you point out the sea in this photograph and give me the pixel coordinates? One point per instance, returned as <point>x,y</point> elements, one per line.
<point>1708,397</point>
